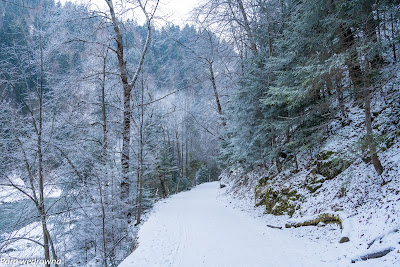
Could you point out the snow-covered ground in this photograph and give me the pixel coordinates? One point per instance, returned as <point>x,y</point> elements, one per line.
<point>374,219</point>
<point>205,227</point>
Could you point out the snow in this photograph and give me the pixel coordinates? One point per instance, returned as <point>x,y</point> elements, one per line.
<point>9,194</point>
<point>23,248</point>
<point>369,211</point>
<point>202,227</point>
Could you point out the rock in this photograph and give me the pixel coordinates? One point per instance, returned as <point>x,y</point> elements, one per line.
<point>281,201</point>
<point>324,155</point>
<point>222,185</point>
<point>344,239</point>
<point>261,187</point>
<point>282,155</point>
<point>332,167</point>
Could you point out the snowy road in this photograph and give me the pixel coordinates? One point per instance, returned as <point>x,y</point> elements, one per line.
<point>198,228</point>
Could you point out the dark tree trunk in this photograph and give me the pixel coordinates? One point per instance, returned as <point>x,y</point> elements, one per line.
<point>127,88</point>
<point>368,123</point>
<point>340,98</point>
<point>126,124</point>
<point>370,29</point>
<point>164,186</point>
<point>393,34</point>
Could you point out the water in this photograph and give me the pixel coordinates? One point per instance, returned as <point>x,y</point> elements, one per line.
<point>15,215</point>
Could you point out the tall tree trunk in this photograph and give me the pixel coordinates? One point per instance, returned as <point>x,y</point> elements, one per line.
<point>340,98</point>
<point>368,123</point>
<point>216,95</point>
<point>392,41</point>
<point>42,210</point>
<point>186,158</point>
<point>127,88</point>
<point>370,30</point>
<point>164,186</point>
<point>126,130</point>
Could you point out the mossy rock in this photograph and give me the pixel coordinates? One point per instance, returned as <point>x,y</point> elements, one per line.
<point>259,190</point>
<point>344,239</point>
<point>281,202</point>
<point>325,218</point>
<point>333,167</point>
<point>324,155</point>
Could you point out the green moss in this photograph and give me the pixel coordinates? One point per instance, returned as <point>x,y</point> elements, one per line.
<point>282,201</point>
<point>324,155</point>
<point>344,240</point>
<point>260,188</point>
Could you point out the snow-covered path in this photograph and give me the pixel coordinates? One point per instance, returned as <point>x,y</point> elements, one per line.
<point>198,228</point>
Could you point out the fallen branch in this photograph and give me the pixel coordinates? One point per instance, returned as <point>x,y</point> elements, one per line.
<point>373,255</point>
<point>275,227</point>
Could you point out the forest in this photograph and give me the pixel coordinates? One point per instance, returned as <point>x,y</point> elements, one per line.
<point>107,108</point>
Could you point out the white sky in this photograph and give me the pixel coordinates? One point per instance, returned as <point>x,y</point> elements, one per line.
<point>178,9</point>
<point>174,11</point>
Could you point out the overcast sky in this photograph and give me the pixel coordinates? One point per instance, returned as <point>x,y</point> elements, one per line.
<point>178,9</point>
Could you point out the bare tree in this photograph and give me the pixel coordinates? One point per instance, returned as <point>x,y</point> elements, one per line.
<point>128,84</point>
<point>31,95</point>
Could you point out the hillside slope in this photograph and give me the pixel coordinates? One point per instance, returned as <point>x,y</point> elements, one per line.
<point>337,179</point>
